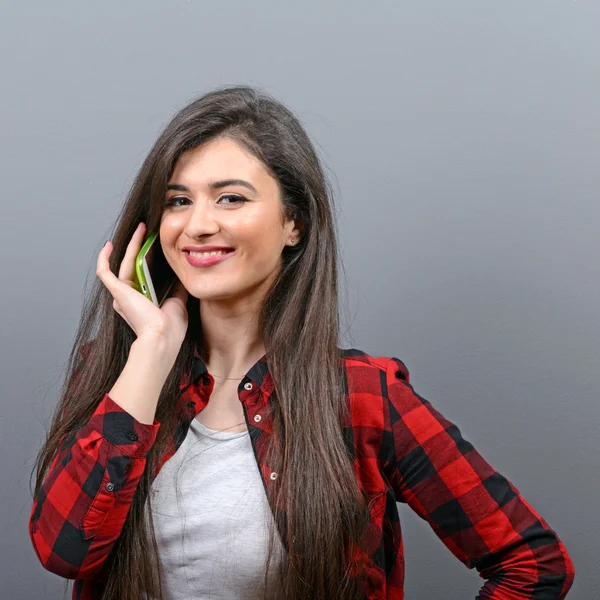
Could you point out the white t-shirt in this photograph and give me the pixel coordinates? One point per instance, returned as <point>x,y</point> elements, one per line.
<point>211,518</point>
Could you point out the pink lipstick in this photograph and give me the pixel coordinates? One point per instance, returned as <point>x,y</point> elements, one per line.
<point>207,261</point>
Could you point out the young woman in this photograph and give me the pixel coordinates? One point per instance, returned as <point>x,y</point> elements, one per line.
<point>223,445</point>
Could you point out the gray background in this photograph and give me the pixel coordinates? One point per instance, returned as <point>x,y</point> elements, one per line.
<point>464,140</point>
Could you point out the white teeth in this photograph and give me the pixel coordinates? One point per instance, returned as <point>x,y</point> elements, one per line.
<point>204,254</point>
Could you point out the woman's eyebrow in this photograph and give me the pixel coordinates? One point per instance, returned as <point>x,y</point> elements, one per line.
<point>214,185</point>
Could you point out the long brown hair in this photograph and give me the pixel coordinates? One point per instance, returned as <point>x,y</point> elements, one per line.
<point>300,328</point>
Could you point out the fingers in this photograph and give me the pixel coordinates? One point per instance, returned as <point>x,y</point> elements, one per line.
<point>127,266</point>
<point>103,271</point>
<point>108,278</point>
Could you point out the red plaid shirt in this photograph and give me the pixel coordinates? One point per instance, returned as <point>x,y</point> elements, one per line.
<point>404,450</point>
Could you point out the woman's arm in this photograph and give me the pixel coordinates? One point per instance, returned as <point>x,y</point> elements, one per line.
<point>477,513</point>
<point>84,500</point>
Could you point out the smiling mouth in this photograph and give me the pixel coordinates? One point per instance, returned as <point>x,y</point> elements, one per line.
<point>206,259</point>
<point>205,254</point>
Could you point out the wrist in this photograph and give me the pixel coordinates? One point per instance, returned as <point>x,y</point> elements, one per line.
<point>154,351</point>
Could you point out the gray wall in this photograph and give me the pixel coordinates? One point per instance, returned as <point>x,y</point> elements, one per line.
<point>464,138</point>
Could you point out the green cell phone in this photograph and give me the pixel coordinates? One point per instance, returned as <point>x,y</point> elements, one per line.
<point>153,276</point>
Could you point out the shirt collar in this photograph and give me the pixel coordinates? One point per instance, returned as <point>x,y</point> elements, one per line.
<point>258,375</point>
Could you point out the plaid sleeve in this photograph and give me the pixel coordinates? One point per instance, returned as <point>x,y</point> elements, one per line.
<point>477,513</point>
<point>82,505</point>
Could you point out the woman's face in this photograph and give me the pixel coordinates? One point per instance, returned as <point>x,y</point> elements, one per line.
<point>208,208</point>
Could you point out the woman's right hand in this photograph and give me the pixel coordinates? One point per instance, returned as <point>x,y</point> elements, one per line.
<point>169,322</point>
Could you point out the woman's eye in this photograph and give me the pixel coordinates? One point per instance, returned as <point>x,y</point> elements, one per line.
<point>177,199</point>
<point>235,197</point>
<point>173,201</point>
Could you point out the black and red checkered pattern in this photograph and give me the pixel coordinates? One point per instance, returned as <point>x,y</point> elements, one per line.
<point>403,450</point>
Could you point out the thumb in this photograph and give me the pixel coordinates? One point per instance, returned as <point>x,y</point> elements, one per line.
<point>179,291</point>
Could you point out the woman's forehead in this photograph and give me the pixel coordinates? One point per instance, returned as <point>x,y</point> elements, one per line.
<point>219,160</point>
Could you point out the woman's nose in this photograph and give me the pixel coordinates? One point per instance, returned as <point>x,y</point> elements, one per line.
<point>202,220</point>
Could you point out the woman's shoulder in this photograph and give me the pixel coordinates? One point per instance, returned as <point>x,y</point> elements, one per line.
<point>377,388</point>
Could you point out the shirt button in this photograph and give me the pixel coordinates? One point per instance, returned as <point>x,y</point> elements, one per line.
<point>248,386</point>
<point>273,475</point>
<point>257,418</point>
<point>191,404</point>
<point>132,435</point>
<point>110,486</point>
